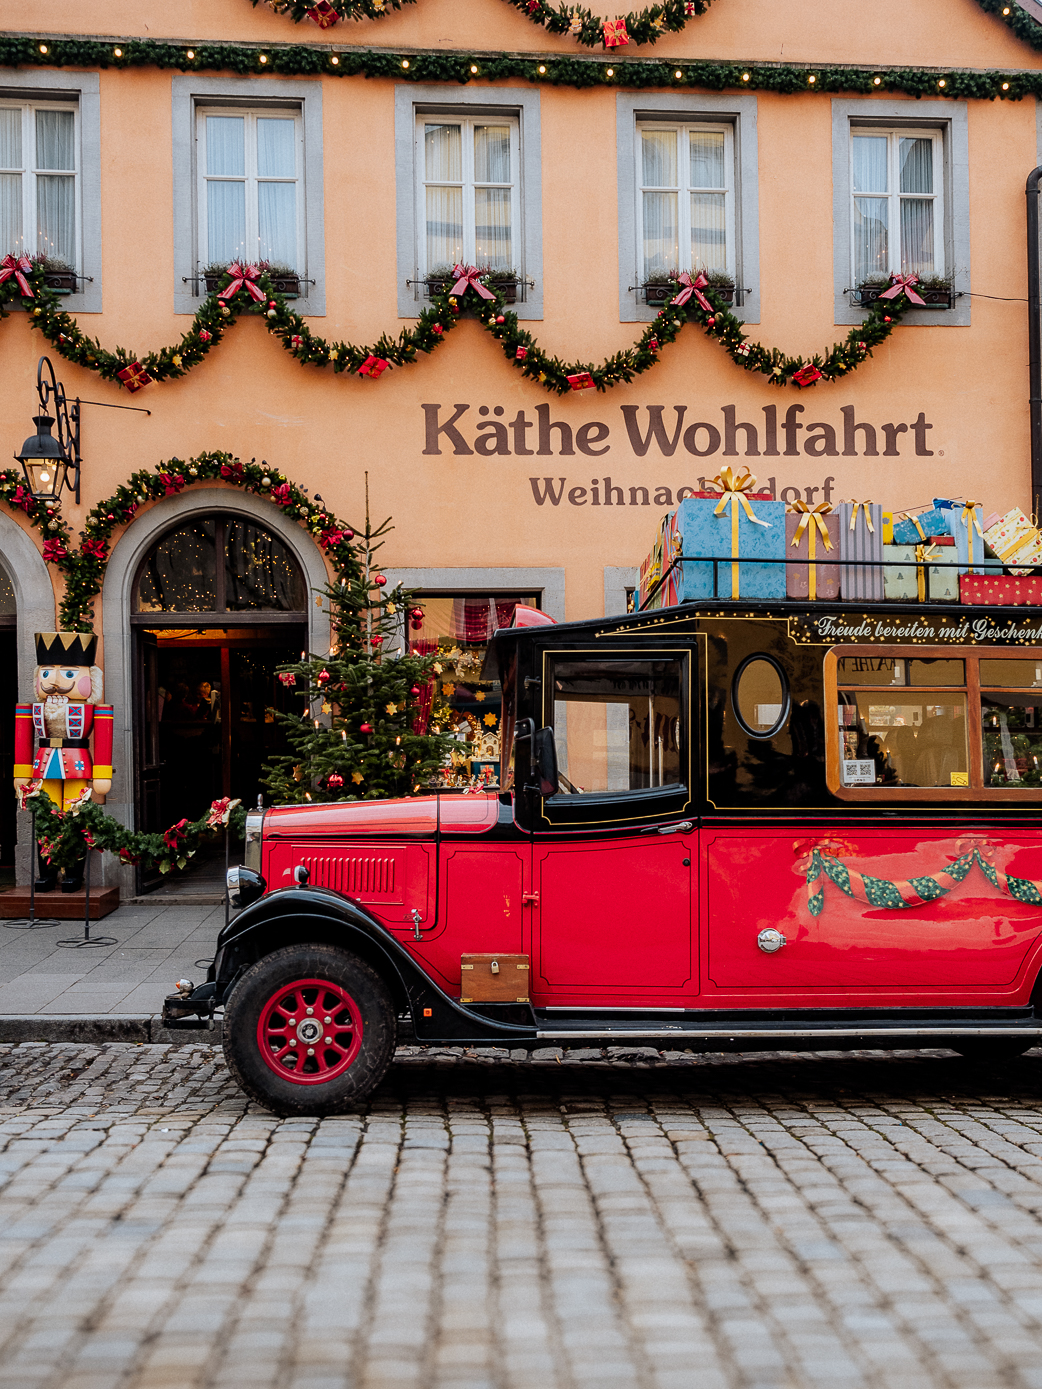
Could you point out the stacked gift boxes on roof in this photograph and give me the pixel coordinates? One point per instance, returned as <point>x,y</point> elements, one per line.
<point>733,541</point>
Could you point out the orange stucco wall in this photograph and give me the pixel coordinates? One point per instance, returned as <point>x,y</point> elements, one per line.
<point>251,398</point>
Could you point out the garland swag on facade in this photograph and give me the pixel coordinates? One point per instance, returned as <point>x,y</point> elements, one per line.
<point>84,568</point>
<point>246,289</point>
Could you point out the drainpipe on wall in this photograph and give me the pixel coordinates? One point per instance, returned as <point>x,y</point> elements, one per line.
<point>1034,342</point>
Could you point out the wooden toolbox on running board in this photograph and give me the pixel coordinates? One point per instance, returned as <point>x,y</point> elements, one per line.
<point>494,978</point>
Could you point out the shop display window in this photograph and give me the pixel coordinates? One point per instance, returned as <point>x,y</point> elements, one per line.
<point>928,725</point>
<point>458,628</point>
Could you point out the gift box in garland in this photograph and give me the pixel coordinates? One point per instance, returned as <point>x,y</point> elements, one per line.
<point>1000,591</point>
<point>909,576</point>
<point>913,530</point>
<point>861,550</point>
<point>975,555</point>
<point>811,532</point>
<point>737,526</point>
<point>1014,540</point>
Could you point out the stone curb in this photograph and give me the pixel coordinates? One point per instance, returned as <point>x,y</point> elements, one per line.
<point>108,1027</point>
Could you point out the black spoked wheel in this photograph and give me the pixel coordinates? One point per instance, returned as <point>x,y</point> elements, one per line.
<point>309,1029</point>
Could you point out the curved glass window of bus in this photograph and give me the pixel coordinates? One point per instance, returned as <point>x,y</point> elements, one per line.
<point>760,696</point>
<point>911,739</point>
<point>617,724</point>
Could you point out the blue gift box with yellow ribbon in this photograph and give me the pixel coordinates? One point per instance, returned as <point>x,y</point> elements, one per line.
<point>734,524</point>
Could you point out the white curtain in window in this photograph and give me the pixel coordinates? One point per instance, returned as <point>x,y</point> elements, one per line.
<point>444,227</point>
<point>871,238</point>
<point>660,233</point>
<point>10,183</point>
<point>917,236</point>
<point>277,223</point>
<point>225,221</point>
<point>492,227</point>
<point>916,166</point>
<point>491,154</point>
<point>56,217</point>
<point>658,149</point>
<point>870,164</point>
<point>276,147</point>
<point>55,140</point>
<point>708,232</point>
<point>226,146</point>
<point>443,153</point>
<point>707,159</point>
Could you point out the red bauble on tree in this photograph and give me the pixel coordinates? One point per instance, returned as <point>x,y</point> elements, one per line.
<point>334,781</point>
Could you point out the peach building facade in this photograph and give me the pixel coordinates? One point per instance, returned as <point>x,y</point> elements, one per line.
<point>139,173</point>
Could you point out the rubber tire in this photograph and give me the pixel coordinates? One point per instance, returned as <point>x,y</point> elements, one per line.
<point>242,1014</point>
<point>991,1051</point>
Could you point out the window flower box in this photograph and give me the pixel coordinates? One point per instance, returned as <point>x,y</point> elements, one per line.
<point>658,292</point>
<point>284,282</point>
<point>60,281</point>
<point>438,284</point>
<point>933,296</point>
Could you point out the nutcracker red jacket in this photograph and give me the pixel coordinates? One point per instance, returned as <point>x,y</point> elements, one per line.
<point>65,758</point>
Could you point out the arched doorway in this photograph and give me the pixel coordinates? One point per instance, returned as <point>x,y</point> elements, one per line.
<point>218,602</point>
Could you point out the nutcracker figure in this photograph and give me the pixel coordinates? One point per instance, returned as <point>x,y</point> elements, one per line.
<point>67,687</point>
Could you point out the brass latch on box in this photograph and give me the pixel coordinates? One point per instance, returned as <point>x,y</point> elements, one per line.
<point>494,978</point>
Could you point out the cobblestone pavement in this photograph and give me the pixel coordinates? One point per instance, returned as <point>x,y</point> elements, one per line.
<point>505,1222</point>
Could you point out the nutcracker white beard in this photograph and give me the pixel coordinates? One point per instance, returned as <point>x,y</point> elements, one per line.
<point>55,710</point>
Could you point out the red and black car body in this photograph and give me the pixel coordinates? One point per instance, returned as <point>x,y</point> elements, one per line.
<point>726,826</point>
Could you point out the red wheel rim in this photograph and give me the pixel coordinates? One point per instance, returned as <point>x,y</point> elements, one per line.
<point>310,1031</point>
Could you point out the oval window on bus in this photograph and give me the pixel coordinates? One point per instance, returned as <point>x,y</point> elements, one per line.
<point>760,696</point>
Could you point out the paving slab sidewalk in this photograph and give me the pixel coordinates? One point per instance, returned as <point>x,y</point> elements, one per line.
<point>108,992</point>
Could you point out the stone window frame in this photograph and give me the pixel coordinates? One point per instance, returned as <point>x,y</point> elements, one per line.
<point>951,118</point>
<point>190,92</point>
<point>85,89</point>
<point>412,100</point>
<point>740,112</point>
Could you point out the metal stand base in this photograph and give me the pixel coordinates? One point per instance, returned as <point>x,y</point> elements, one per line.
<point>87,939</point>
<point>30,923</point>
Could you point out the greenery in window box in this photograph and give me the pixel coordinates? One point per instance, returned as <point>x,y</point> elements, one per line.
<point>59,275</point>
<point>663,285</point>
<point>284,279</point>
<point>441,279</point>
<point>937,291</point>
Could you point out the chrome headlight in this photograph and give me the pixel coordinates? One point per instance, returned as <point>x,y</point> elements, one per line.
<point>254,835</point>
<point>244,886</point>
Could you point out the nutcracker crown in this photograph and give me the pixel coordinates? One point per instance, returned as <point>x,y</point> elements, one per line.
<point>66,648</point>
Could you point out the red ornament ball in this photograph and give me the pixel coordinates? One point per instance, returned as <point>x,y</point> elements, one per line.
<point>500,318</point>
<point>415,690</point>
<point>380,579</point>
<point>323,677</point>
<point>348,533</point>
<point>416,614</point>
<point>334,781</point>
<point>365,728</point>
<point>416,626</point>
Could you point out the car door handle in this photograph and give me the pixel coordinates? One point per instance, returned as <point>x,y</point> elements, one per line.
<point>683,827</point>
<point>530,899</point>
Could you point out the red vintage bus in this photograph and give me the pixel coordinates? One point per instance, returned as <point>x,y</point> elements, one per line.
<point>727,825</point>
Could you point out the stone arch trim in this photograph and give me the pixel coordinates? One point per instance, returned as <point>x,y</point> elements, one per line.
<point>131,547</point>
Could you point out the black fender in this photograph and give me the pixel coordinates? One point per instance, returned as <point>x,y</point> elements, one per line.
<point>302,914</point>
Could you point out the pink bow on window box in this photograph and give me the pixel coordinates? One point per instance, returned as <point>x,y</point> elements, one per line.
<point>469,277</point>
<point>903,282</point>
<point>243,277</point>
<point>692,288</point>
<point>19,267</point>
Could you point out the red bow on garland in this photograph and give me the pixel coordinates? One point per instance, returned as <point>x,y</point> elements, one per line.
<point>903,282</point>
<point>469,277</point>
<point>243,277</point>
<point>693,287</point>
<point>19,267</point>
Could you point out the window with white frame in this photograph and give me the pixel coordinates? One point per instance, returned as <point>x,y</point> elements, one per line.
<point>685,190</point>
<point>251,186</point>
<point>897,210</point>
<point>39,189</point>
<point>469,192</point>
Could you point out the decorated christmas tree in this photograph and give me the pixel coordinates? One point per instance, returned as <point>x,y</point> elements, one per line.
<point>363,730</point>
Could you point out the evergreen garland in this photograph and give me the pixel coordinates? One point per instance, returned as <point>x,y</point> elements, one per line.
<point>435,322</point>
<point>84,568</point>
<point>551,69</point>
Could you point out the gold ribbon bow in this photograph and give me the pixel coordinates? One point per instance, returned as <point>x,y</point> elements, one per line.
<point>916,523</point>
<point>923,555</point>
<point>868,514</point>
<point>733,488</point>
<point>812,520</point>
<point>969,520</point>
